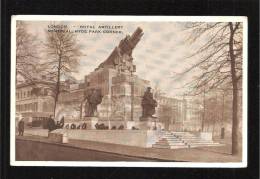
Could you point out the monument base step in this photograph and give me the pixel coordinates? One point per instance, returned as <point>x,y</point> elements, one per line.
<point>176,140</point>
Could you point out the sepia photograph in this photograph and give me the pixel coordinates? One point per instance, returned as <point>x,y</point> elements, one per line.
<point>131,91</point>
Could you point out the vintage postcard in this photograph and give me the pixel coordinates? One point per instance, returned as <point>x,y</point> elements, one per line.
<point>129,91</point>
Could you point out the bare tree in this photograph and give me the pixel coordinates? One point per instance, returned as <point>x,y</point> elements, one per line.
<point>26,52</point>
<point>220,62</point>
<point>63,53</point>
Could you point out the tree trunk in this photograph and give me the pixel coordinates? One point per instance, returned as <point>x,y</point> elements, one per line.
<point>57,87</point>
<point>235,129</point>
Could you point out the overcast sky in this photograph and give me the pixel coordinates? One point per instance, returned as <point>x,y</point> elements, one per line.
<point>158,56</point>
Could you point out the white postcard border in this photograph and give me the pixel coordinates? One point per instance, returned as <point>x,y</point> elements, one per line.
<point>243,19</point>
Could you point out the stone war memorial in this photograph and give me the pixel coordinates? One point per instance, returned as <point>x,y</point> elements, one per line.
<point>114,105</point>
<point>113,97</point>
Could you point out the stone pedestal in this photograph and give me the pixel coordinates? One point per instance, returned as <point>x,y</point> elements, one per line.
<point>130,124</point>
<point>59,136</point>
<point>146,125</point>
<point>91,122</point>
<point>150,119</point>
<point>149,124</point>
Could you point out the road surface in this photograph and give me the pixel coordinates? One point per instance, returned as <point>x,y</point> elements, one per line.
<point>27,150</point>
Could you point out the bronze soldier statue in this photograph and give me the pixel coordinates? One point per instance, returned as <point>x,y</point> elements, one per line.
<point>93,99</point>
<point>148,104</point>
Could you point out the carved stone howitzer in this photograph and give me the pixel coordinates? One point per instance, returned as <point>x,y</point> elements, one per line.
<point>121,57</point>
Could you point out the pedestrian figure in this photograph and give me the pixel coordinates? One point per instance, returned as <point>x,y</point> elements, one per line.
<point>21,127</point>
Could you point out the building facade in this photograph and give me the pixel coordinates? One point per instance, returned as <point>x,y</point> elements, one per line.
<point>34,101</point>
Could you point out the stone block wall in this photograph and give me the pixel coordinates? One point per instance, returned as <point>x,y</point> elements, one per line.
<point>139,138</point>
